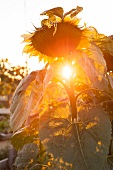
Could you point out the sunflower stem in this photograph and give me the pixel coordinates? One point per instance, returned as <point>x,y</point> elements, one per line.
<point>72,97</point>
<point>72,101</point>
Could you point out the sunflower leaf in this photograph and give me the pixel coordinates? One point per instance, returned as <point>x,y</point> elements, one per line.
<point>94,65</point>
<point>57,96</point>
<point>54,71</point>
<point>105,43</point>
<point>26,99</point>
<point>27,156</point>
<point>80,147</point>
<point>27,135</point>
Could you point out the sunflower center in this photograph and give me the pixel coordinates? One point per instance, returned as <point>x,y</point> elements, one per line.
<point>61,44</point>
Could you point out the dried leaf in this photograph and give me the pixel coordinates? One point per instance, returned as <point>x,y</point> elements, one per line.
<point>58,11</point>
<point>78,10</point>
<point>73,12</point>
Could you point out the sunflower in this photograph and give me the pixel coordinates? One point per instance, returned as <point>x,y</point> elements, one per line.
<point>60,35</point>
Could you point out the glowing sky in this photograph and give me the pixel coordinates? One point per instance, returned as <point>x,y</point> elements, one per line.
<point>17,16</point>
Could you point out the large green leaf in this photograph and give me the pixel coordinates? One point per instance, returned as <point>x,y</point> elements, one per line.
<point>83,145</point>
<point>26,98</point>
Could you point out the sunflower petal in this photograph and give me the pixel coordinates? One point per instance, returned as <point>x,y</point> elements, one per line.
<point>28,48</point>
<point>27,37</point>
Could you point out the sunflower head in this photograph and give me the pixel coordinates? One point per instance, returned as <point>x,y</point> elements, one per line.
<point>58,36</point>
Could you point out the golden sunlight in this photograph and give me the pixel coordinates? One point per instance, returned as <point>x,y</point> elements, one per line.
<point>67,72</point>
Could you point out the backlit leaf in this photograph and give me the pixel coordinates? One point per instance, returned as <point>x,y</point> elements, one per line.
<point>26,99</point>
<point>105,44</point>
<point>94,65</point>
<point>58,103</point>
<point>54,71</point>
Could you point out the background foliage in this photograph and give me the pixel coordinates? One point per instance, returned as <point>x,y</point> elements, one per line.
<point>10,76</point>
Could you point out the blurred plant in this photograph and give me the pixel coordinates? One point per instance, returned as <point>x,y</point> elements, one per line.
<point>4,125</point>
<point>3,153</point>
<point>10,76</point>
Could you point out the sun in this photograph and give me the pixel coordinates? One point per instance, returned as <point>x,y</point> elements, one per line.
<point>67,72</point>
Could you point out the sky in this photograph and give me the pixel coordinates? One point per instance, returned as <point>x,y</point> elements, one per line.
<point>18,16</point>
